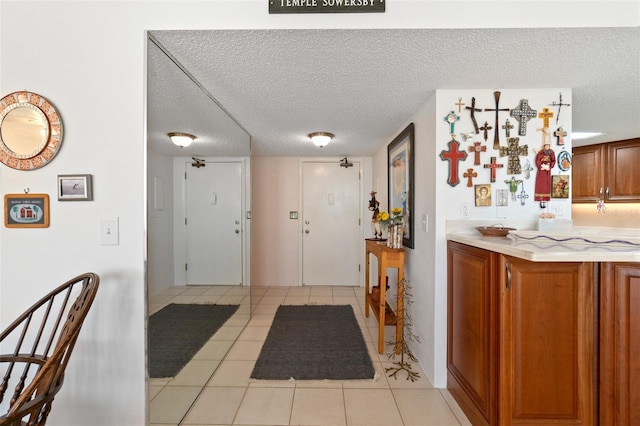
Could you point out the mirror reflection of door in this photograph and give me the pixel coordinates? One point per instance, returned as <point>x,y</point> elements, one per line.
<point>213,223</point>
<point>332,231</point>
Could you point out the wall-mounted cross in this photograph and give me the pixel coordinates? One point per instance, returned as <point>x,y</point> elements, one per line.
<point>513,186</point>
<point>523,195</point>
<point>513,150</point>
<point>453,156</point>
<point>560,133</point>
<point>559,104</point>
<point>473,110</point>
<point>476,149</point>
<point>486,129</point>
<point>545,115</point>
<point>452,118</point>
<point>459,103</point>
<point>470,174</point>
<point>493,166</point>
<point>496,136</point>
<point>523,113</point>
<point>507,128</point>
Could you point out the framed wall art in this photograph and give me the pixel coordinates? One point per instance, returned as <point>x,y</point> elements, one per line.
<point>400,158</point>
<point>74,188</point>
<point>26,210</point>
<point>560,186</point>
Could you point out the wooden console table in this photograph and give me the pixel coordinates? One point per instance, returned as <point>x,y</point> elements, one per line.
<point>387,258</point>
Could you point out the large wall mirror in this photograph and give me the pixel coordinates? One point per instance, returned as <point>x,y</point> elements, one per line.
<point>30,130</point>
<point>177,103</point>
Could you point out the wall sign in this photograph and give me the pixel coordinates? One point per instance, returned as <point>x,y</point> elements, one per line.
<point>26,210</point>
<point>326,6</point>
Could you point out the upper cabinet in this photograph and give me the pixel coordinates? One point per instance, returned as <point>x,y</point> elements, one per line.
<point>607,171</point>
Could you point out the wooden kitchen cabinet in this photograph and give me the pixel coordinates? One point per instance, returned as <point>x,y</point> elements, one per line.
<point>472,338</point>
<point>619,394</point>
<point>609,171</point>
<point>520,339</point>
<point>547,358</point>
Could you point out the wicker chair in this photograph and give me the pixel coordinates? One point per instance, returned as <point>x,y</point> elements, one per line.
<point>43,337</point>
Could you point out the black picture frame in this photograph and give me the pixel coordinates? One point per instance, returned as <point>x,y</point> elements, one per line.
<point>400,180</point>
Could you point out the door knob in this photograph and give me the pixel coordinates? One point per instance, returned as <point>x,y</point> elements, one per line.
<point>237,231</point>
<point>306,231</point>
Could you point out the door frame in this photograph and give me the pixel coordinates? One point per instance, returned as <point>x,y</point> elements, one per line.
<point>363,163</point>
<point>179,208</point>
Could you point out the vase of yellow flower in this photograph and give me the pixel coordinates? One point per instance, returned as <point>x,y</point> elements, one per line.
<point>394,225</point>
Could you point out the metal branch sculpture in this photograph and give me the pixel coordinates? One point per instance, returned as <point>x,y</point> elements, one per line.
<point>407,336</point>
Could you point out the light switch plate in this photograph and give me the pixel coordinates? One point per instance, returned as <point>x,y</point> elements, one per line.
<point>109,231</point>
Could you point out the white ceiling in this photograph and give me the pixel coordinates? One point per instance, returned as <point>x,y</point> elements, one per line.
<point>363,85</point>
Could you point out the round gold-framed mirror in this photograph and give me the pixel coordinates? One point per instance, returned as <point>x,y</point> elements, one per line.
<point>30,131</point>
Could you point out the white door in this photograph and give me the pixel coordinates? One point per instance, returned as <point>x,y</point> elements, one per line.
<point>213,223</point>
<point>331,230</point>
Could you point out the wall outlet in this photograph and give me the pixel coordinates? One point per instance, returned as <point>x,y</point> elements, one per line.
<point>465,210</point>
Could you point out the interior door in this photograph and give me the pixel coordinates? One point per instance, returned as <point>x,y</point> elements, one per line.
<point>331,226</point>
<point>213,223</point>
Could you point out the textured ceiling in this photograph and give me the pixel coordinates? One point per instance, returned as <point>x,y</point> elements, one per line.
<point>363,85</point>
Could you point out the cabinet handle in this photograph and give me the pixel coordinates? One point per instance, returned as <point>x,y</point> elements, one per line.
<point>601,194</point>
<point>607,192</point>
<point>508,266</point>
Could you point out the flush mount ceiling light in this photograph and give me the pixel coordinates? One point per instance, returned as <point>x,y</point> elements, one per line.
<point>181,139</point>
<point>320,139</point>
<point>584,135</point>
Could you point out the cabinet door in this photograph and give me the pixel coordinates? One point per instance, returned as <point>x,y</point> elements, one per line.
<point>620,344</point>
<point>623,171</point>
<point>587,177</point>
<point>547,359</point>
<point>472,332</point>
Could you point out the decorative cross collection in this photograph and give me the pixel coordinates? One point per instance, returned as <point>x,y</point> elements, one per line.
<point>523,113</point>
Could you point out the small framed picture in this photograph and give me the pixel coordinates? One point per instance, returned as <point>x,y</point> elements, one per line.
<point>74,188</point>
<point>26,210</point>
<point>560,186</point>
<point>483,195</point>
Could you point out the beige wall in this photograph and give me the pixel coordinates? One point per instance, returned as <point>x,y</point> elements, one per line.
<point>617,215</point>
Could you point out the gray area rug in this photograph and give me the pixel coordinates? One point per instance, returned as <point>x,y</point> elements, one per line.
<point>314,342</point>
<point>178,331</point>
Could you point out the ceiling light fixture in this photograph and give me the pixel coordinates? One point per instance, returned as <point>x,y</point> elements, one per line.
<point>181,139</point>
<point>584,135</point>
<point>320,139</point>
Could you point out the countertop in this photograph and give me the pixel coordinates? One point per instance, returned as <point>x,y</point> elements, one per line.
<point>580,244</point>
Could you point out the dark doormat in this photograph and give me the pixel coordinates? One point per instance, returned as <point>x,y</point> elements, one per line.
<point>314,342</point>
<point>178,331</point>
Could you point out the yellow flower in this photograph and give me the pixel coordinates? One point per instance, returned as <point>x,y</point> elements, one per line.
<point>396,211</point>
<point>383,216</point>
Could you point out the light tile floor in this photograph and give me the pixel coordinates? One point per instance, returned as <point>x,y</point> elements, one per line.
<point>215,387</point>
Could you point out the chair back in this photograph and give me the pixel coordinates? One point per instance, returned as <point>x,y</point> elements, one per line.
<point>44,337</point>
